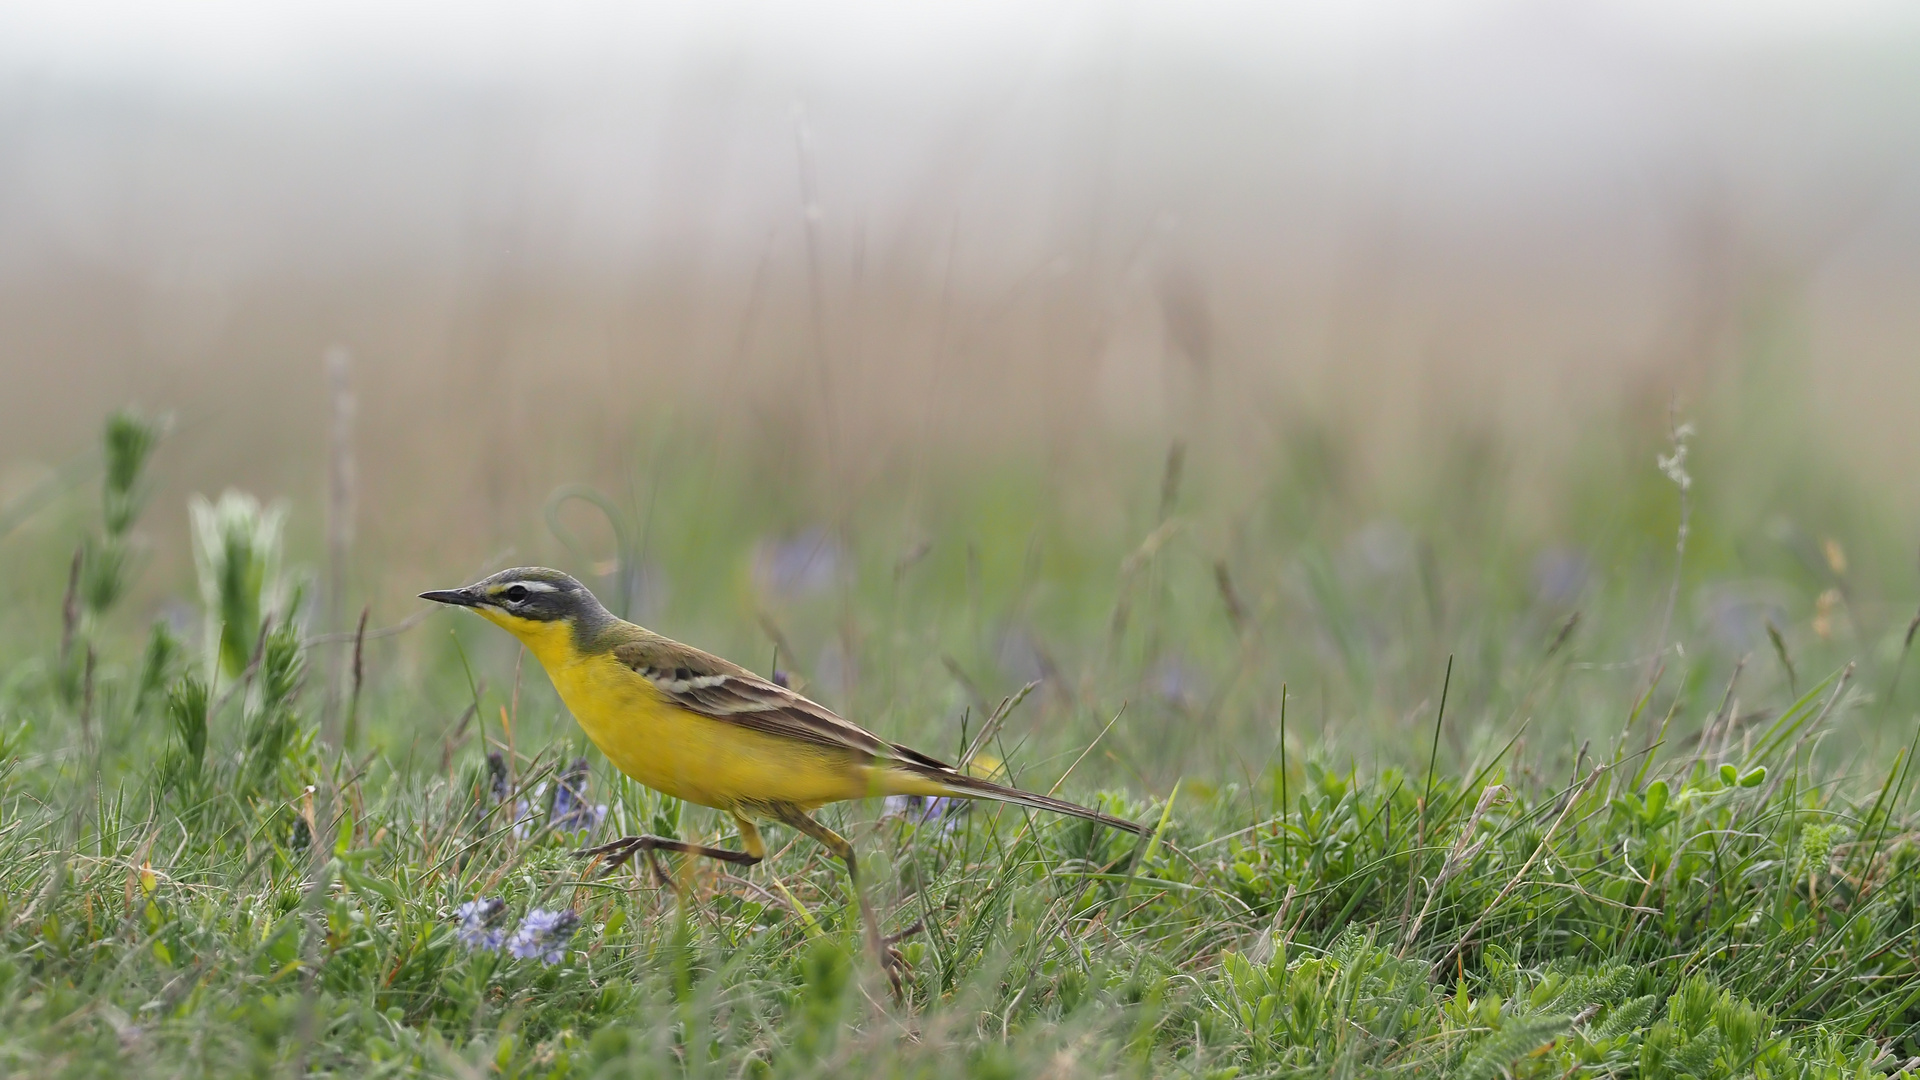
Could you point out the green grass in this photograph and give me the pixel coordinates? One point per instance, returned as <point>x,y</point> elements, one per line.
<point>1500,826</point>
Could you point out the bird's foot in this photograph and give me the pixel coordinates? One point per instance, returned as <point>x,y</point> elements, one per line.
<point>894,962</point>
<point>618,852</point>
<point>919,926</point>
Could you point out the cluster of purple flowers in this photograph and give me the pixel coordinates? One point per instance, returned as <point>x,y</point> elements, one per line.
<point>803,564</point>
<point>568,810</point>
<point>499,784</point>
<point>477,930</point>
<point>925,810</point>
<point>542,934</point>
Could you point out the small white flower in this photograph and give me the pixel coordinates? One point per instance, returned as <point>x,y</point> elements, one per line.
<point>1674,465</point>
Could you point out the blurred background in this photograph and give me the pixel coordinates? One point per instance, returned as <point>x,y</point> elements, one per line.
<point>815,294</point>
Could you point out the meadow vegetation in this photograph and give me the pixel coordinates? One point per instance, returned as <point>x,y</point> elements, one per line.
<point>1598,772</point>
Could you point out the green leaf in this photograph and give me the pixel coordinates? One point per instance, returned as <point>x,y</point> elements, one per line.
<point>1656,800</point>
<point>1514,1039</point>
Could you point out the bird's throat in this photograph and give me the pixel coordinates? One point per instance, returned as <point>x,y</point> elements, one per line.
<point>551,642</point>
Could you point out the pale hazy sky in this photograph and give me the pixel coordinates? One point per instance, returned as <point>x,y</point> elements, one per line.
<point>1518,192</point>
<point>135,127</point>
<point>246,42</point>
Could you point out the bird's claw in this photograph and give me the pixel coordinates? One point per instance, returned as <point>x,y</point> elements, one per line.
<point>919,925</point>
<point>894,962</point>
<point>621,851</point>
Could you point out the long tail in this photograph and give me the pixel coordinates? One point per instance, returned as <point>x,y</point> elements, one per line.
<point>960,785</point>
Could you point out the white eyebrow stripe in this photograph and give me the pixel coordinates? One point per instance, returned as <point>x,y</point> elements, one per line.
<point>530,586</point>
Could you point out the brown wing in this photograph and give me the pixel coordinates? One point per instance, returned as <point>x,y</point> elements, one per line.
<point>709,686</point>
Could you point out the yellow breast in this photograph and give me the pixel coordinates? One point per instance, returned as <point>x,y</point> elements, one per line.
<point>692,757</point>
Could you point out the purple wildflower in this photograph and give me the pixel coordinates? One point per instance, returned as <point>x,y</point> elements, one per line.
<point>569,811</point>
<point>543,934</point>
<point>924,810</point>
<point>1559,576</point>
<point>500,790</point>
<point>1177,683</point>
<point>803,564</point>
<point>497,784</point>
<point>523,818</point>
<point>476,930</point>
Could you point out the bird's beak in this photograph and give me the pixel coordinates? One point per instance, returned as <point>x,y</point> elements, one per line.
<point>456,597</point>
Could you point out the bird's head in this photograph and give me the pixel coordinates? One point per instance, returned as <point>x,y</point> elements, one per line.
<point>535,604</point>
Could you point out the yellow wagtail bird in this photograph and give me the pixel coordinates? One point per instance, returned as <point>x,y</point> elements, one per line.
<point>699,728</point>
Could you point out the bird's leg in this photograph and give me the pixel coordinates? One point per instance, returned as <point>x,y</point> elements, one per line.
<point>660,875</point>
<point>750,836</point>
<point>619,851</point>
<point>894,964</point>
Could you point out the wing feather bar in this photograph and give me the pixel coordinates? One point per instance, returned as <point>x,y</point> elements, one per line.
<point>714,688</point>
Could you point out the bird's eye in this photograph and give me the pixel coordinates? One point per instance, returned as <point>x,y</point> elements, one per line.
<point>516,593</point>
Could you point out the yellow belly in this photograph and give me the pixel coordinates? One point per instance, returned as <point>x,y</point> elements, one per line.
<point>696,758</point>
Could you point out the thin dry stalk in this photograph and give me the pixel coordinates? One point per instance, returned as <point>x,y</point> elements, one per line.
<point>974,693</point>
<point>86,707</point>
<point>1459,946</point>
<point>1846,676</point>
<point>992,726</point>
<point>1279,935</point>
<point>1720,716</point>
<point>1230,597</point>
<point>1130,568</point>
<point>1465,850</point>
<point>1674,465</point>
<point>340,502</point>
<point>1055,789</point>
<point>70,609</point>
